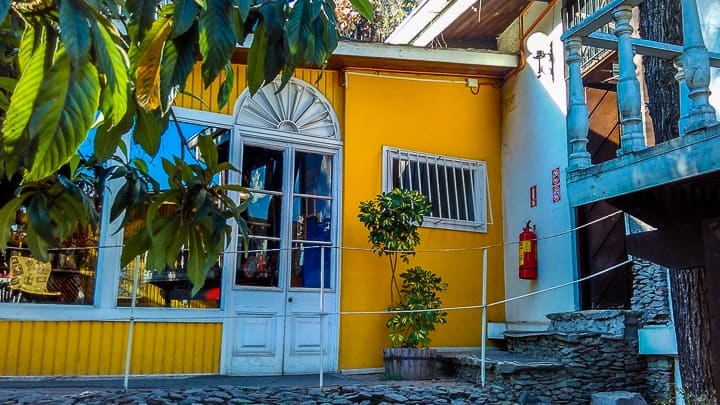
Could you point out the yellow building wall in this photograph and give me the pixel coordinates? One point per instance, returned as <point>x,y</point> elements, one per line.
<point>427,114</point>
<point>422,113</point>
<point>75,348</point>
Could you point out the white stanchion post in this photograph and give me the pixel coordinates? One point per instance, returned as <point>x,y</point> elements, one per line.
<point>484,318</point>
<point>133,296</point>
<point>322,311</point>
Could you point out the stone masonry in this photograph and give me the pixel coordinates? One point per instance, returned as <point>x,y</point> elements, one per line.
<point>580,353</point>
<point>584,352</point>
<point>651,297</point>
<point>650,292</point>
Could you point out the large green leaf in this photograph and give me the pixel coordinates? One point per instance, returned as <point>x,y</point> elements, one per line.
<point>112,62</point>
<point>135,246</point>
<point>7,218</point>
<point>15,138</point>
<point>186,11</point>
<point>217,38</point>
<point>294,23</point>
<point>195,262</point>
<point>39,218</point>
<point>365,9</point>
<point>147,75</point>
<point>75,31</point>
<point>38,246</point>
<point>30,40</point>
<point>273,17</point>
<point>208,150</point>
<point>8,84</point>
<point>256,59</point>
<point>63,116</point>
<point>226,86</point>
<point>142,15</point>
<point>149,126</point>
<point>108,135</point>
<point>178,60</point>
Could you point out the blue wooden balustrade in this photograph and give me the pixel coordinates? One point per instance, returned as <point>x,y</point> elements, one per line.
<point>637,166</point>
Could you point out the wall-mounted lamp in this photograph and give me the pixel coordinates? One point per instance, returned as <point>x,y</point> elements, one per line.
<point>536,44</point>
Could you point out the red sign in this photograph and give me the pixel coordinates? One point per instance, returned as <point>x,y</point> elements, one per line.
<point>533,196</point>
<point>556,184</point>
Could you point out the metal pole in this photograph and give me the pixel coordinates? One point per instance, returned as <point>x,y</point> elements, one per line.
<point>322,310</point>
<point>128,352</point>
<point>484,318</point>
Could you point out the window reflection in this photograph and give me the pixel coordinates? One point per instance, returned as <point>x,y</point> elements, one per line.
<point>306,265</point>
<point>313,174</point>
<point>262,169</point>
<point>259,266</point>
<point>312,220</point>
<point>171,286</point>
<point>69,273</point>
<point>263,215</point>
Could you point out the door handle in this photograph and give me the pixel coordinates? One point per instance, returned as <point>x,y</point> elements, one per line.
<point>289,299</point>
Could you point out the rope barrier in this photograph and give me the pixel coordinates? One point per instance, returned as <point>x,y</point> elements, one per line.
<point>319,245</point>
<point>207,317</point>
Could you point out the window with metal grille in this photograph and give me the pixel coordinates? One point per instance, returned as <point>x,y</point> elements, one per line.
<point>455,187</point>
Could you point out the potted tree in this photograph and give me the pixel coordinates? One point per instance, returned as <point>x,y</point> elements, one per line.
<point>392,220</point>
<point>410,358</point>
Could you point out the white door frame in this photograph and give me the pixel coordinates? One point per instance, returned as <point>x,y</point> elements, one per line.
<point>322,139</point>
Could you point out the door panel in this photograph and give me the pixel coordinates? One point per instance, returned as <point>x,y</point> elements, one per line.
<point>276,301</point>
<point>302,333</point>
<point>257,341</point>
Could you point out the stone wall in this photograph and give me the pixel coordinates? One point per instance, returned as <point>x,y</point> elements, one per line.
<point>651,299</point>
<point>581,353</point>
<point>650,292</point>
<point>594,361</point>
<point>660,378</point>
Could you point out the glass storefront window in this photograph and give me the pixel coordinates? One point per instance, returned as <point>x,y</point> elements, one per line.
<point>66,277</point>
<point>171,287</point>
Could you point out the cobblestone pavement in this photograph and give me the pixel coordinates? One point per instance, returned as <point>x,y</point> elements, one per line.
<point>364,392</point>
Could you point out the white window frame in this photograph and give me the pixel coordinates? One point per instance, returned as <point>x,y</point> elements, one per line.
<point>478,183</point>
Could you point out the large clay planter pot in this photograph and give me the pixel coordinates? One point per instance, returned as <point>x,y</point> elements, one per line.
<point>409,363</point>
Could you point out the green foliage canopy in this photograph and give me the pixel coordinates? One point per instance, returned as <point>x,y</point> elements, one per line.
<point>70,66</point>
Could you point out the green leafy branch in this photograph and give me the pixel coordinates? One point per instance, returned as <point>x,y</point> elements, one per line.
<point>392,220</point>
<point>420,289</point>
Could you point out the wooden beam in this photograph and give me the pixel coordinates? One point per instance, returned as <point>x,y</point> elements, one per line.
<point>643,47</point>
<point>678,247</point>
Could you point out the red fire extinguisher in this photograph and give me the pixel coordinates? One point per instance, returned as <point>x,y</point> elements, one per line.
<point>528,253</point>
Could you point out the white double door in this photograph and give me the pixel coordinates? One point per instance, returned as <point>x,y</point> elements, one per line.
<point>275,305</point>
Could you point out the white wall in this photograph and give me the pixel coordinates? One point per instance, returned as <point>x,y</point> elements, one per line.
<point>710,21</point>
<point>534,143</point>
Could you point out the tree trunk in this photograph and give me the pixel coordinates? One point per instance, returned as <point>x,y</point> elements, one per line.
<point>661,20</point>
<point>692,328</point>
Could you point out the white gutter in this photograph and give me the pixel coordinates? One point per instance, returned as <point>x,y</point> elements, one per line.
<point>428,20</point>
<point>383,51</point>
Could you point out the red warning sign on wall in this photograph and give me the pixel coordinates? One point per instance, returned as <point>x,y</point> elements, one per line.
<point>533,195</point>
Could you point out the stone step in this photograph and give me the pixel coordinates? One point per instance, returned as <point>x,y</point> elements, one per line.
<point>607,321</point>
<point>496,361</point>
